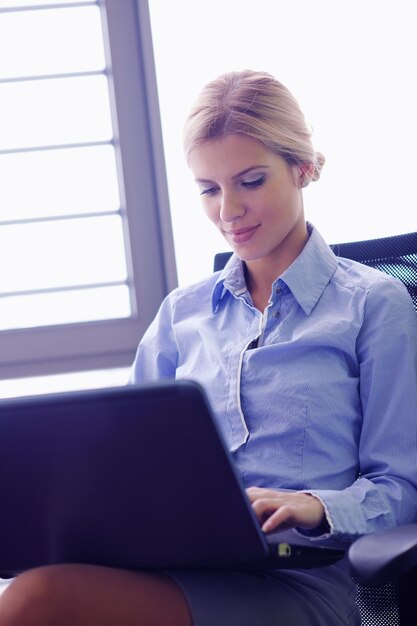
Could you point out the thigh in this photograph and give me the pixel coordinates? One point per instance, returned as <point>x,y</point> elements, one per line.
<point>65,595</point>
<point>269,598</point>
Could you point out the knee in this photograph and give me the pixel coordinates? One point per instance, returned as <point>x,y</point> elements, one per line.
<point>27,601</point>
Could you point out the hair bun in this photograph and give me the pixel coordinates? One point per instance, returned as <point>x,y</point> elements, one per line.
<point>319,161</point>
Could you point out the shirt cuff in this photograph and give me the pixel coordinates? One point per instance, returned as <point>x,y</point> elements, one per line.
<point>343,515</point>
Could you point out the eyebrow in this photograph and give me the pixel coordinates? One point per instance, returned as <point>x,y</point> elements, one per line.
<point>236,176</point>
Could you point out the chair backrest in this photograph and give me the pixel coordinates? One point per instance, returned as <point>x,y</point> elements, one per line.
<point>396,255</point>
<point>220,260</point>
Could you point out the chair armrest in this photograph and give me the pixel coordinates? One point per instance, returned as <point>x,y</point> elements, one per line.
<point>385,555</point>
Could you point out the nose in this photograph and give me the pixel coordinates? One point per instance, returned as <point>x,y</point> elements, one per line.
<point>231,207</point>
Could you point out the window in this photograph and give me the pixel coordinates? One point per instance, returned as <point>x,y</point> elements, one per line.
<point>85,234</point>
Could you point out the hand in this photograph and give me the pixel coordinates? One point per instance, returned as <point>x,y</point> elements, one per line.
<point>283,509</point>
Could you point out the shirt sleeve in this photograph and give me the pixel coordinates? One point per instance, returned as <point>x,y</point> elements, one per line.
<point>384,495</point>
<point>157,356</point>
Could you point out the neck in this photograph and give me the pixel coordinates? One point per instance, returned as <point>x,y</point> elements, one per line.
<point>261,273</point>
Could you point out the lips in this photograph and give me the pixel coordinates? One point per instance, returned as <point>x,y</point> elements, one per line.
<point>241,235</point>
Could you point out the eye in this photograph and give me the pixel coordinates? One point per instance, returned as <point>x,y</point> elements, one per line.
<point>209,191</point>
<point>254,184</point>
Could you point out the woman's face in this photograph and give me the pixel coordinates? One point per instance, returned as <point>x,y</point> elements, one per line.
<point>253,197</point>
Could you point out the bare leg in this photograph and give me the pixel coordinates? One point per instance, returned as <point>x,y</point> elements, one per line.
<point>84,595</point>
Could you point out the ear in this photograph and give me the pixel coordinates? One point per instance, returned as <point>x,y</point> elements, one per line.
<point>306,174</point>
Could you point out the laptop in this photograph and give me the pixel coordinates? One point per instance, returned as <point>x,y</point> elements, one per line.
<point>133,477</point>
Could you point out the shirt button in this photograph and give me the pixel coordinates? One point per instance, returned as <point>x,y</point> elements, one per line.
<point>278,290</point>
<point>276,313</point>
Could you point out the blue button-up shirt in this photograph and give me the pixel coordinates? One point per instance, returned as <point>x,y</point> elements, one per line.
<point>316,393</point>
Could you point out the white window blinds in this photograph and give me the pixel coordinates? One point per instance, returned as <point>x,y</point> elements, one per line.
<point>61,235</point>
<point>72,259</point>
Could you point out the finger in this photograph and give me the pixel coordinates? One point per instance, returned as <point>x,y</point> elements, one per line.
<point>264,508</point>
<point>282,518</point>
<point>254,493</point>
<point>293,514</point>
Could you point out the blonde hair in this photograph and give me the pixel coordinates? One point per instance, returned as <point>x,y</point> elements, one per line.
<point>257,105</point>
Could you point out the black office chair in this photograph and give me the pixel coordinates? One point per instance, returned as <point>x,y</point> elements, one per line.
<point>385,563</point>
<point>379,559</point>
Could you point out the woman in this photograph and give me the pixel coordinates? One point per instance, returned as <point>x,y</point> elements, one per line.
<point>311,366</point>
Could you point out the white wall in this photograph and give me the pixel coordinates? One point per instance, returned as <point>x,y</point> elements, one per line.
<point>350,64</point>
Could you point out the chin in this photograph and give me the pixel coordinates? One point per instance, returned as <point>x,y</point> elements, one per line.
<point>247,256</point>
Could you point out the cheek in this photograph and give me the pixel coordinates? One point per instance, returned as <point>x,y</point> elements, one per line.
<point>211,210</point>
<point>286,203</point>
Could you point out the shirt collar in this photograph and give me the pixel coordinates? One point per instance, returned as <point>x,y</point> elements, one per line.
<point>231,279</point>
<point>306,277</point>
<point>311,271</point>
